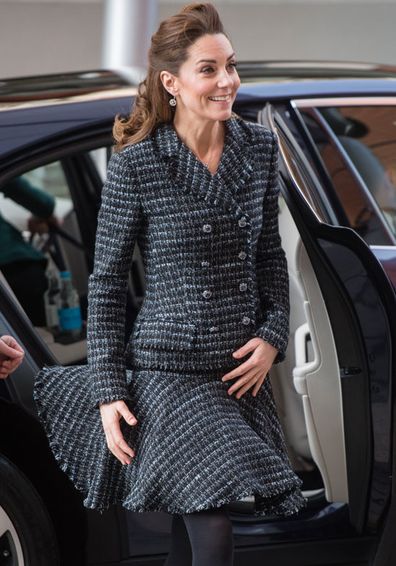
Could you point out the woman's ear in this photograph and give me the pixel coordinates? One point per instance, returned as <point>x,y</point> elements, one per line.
<point>168,81</point>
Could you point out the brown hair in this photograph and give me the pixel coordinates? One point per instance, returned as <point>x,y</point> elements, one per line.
<point>168,51</point>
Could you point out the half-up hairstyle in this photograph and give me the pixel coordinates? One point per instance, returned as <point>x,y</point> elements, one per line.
<point>168,51</point>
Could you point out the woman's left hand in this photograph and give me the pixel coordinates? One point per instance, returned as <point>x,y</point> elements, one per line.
<point>254,370</point>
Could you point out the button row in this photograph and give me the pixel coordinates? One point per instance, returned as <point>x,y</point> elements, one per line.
<point>242,223</point>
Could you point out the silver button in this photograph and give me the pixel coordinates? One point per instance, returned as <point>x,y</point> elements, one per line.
<point>204,263</point>
<point>243,286</point>
<point>213,328</point>
<point>242,222</point>
<point>245,320</point>
<point>207,294</point>
<point>242,255</point>
<point>207,228</point>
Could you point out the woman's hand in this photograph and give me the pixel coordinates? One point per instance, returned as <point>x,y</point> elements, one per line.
<point>254,370</point>
<point>111,414</point>
<point>11,355</point>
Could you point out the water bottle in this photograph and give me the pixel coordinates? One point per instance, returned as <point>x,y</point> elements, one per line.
<point>52,301</point>
<point>69,311</point>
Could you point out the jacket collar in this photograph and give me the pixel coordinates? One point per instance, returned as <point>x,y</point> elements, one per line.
<point>225,187</point>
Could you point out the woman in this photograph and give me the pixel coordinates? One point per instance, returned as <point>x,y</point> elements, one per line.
<point>187,418</point>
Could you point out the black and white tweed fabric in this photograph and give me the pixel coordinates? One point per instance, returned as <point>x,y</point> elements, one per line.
<point>216,275</point>
<point>196,446</point>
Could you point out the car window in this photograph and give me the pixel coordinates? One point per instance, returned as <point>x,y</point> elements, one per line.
<point>367,134</point>
<point>27,251</point>
<point>369,215</point>
<point>74,183</point>
<point>100,157</point>
<point>48,180</point>
<point>28,202</point>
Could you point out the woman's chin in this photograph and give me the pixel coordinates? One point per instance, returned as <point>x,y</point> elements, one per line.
<point>221,114</point>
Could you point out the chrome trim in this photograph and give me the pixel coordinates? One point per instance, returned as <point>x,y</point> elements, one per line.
<point>383,247</point>
<point>87,97</point>
<point>285,161</point>
<point>344,101</point>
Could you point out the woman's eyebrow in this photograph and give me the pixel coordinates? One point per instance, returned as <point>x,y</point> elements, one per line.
<point>213,60</point>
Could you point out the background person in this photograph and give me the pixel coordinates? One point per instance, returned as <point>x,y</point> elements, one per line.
<point>23,265</point>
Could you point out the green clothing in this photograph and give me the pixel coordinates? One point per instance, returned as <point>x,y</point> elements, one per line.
<point>13,246</point>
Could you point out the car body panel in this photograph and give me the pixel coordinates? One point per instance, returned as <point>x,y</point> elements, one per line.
<point>42,123</point>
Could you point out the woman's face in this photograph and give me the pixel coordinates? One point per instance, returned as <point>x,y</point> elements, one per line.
<point>207,83</point>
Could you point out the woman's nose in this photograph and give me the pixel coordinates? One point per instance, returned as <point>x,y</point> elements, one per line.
<point>224,79</point>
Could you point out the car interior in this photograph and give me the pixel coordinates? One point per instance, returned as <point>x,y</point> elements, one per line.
<point>306,385</point>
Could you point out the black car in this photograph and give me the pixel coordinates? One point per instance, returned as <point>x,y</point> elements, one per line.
<point>336,125</point>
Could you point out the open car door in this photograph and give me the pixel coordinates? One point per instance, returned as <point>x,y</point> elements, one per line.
<point>350,307</point>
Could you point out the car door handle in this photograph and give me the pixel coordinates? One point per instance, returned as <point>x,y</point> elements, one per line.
<point>303,366</point>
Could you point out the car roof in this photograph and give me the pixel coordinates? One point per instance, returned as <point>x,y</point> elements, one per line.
<point>60,102</point>
<point>259,78</point>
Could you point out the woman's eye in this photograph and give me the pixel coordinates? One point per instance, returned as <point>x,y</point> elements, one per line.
<point>208,70</point>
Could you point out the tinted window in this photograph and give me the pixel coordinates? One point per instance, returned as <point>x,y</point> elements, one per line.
<point>351,165</point>
<point>26,249</point>
<point>368,136</point>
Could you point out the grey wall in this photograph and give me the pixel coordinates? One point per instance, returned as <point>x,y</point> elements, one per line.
<point>65,35</point>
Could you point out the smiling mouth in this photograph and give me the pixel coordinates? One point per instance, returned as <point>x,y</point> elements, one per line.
<point>224,98</point>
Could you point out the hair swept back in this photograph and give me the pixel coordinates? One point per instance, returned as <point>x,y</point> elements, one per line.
<point>167,52</point>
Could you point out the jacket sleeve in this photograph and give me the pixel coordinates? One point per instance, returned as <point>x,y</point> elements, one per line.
<point>271,266</point>
<point>119,221</point>
<point>37,201</point>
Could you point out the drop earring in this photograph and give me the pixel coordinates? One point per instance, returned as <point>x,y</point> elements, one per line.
<point>172,101</point>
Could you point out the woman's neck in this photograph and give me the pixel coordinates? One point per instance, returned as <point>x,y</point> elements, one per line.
<point>202,138</point>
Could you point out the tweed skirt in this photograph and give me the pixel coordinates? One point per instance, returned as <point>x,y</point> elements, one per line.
<point>196,446</point>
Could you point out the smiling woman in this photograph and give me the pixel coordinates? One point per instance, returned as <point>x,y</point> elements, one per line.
<point>191,70</point>
<point>204,90</point>
<point>180,417</point>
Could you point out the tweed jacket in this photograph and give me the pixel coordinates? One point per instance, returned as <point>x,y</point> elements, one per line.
<point>216,273</point>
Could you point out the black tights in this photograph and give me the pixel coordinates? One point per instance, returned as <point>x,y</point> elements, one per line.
<point>202,538</point>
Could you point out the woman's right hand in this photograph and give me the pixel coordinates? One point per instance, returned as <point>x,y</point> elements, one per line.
<point>111,414</point>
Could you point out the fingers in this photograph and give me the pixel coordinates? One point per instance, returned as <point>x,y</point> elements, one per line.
<point>8,366</point>
<point>250,346</point>
<point>9,347</point>
<point>244,383</point>
<point>253,371</point>
<point>259,383</point>
<point>4,373</point>
<point>111,414</point>
<point>255,377</point>
<point>118,446</point>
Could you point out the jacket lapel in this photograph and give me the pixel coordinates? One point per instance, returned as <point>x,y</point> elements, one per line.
<point>224,189</point>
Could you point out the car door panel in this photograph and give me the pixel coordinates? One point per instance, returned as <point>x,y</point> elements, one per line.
<point>360,302</point>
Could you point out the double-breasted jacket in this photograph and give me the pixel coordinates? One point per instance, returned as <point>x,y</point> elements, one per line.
<point>215,270</point>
